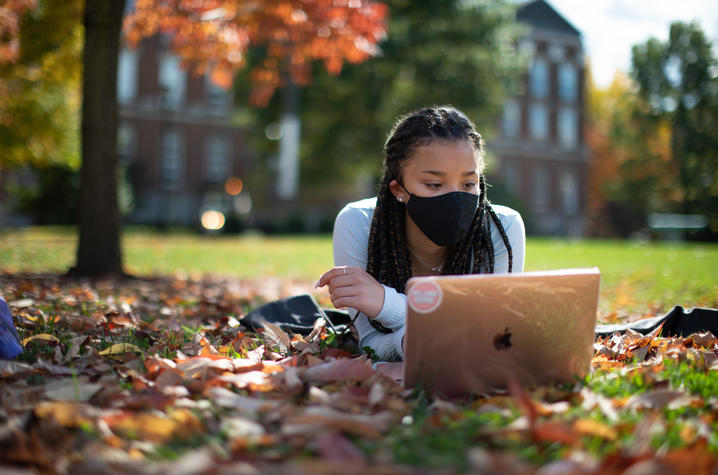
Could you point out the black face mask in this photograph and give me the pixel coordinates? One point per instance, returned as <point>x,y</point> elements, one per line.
<point>445,219</point>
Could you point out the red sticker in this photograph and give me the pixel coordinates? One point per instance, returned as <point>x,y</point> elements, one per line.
<point>424,296</point>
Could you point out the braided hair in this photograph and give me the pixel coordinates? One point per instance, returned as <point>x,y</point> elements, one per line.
<point>388,254</point>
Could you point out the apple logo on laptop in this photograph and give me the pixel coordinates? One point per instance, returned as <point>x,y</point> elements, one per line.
<point>502,341</point>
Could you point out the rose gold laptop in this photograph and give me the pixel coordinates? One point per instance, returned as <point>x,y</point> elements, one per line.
<point>475,333</point>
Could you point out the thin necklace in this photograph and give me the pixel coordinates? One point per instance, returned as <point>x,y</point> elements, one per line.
<point>433,268</point>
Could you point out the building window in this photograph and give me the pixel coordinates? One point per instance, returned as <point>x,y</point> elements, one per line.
<point>173,163</point>
<point>216,158</point>
<point>556,53</point>
<point>172,81</point>
<point>511,118</point>
<point>511,176</point>
<point>567,82</point>
<point>540,189</point>
<point>216,97</point>
<point>127,76</point>
<point>567,127</point>
<point>538,78</point>
<point>569,192</point>
<point>538,122</point>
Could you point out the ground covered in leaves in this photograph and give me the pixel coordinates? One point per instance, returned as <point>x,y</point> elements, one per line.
<point>160,376</point>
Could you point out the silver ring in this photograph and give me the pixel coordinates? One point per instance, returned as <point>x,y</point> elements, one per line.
<point>345,271</point>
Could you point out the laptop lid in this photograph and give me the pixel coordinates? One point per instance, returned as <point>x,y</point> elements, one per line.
<point>475,333</point>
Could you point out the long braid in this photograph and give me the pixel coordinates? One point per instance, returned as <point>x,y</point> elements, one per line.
<point>388,254</point>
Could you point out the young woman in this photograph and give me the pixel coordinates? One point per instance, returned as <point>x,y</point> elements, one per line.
<point>430,217</point>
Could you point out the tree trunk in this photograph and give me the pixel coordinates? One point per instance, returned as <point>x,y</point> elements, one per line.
<point>98,250</point>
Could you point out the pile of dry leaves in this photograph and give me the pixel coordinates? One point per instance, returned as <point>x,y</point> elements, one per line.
<point>160,376</point>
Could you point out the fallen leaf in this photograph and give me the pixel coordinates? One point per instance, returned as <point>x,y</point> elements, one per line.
<point>120,348</point>
<point>594,428</point>
<point>345,369</point>
<point>308,422</point>
<point>71,389</point>
<point>659,399</point>
<point>180,424</point>
<point>13,368</point>
<point>277,336</point>
<point>337,448</point>
<point>40,336</point>
<point>68,414</point>
<point>226,398</point>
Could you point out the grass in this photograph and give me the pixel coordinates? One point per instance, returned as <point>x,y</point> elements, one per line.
<point>637,277</point>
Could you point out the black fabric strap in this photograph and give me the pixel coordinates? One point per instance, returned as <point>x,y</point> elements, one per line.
<point>379,326</point>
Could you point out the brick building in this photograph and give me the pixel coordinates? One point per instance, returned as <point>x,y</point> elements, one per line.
<point>542,156</point>
<point>175,137</point>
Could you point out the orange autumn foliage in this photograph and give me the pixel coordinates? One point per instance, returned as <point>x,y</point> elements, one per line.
<point>11,12</point>
<point>214,36</point>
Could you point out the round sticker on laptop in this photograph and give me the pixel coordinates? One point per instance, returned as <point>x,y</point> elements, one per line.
<point>424,296</point>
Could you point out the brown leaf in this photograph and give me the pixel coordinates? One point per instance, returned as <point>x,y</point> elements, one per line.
<point>594,428</point>
<point>201,366</point>
<point>179,424</point>
<point>335,447</point>
<point>658,399</point>
<point>277,337</point>
<point>313,418</point>
<point>345,369</point>
<point>226,398</point>
<point>68,414</point>
<point>71,389</point>
<point>13,368</point>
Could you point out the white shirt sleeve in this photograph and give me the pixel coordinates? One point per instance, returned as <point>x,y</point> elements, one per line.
<point>350,240</point>
<point>516,233</point>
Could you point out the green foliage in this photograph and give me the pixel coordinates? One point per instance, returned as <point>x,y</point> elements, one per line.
<point>685,376</point>
<point>42,99</point>
<point>677,90</point>
<point>53,200</point>
<point>437,52</point>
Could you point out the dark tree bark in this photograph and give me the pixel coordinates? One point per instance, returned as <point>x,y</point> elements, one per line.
<point>98,251</point>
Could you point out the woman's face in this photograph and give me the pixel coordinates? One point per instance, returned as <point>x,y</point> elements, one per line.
<point>437,168</point>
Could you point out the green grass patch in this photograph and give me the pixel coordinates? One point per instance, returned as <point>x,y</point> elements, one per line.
<point>637,277</point>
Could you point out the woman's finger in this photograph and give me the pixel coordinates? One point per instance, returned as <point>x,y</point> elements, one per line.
<point>347,291</point>
<point>343,302</point>
<point>329,275</point>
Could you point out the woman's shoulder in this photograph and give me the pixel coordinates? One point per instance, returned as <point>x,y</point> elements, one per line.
<point>361,211</point>
<point>504,211</point>
<point>508,217</point>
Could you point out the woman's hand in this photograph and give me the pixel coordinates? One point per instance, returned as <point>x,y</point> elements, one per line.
<point>353,287</point>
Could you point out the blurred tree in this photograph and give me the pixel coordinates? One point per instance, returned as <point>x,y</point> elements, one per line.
<point>39,82</point>
<point>629,162</point>
<point>678,91</point>
<point>437,52</point>
<point>291,33</point>
<point>212,33</point>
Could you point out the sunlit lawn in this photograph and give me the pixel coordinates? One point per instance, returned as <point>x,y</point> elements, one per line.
<point>637,278</point>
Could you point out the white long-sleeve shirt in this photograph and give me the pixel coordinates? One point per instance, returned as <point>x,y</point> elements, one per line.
<point>351,238</point>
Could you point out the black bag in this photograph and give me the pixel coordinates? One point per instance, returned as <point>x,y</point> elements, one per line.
<point>297,314</point>
<point>676,323</point>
